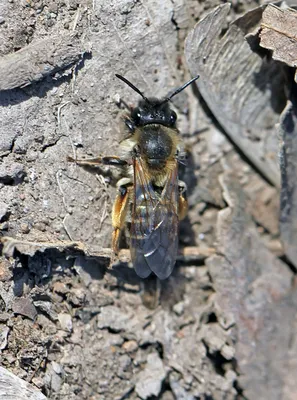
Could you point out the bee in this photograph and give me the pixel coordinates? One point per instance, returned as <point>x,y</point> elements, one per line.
<point>151,199</point>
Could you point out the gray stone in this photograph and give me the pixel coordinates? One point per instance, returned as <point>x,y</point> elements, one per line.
<point>149,381</point>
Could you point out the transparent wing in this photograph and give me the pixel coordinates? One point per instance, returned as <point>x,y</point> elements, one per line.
<point>154,227</point>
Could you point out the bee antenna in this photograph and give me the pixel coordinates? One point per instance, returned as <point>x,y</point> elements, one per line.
<point>132,86</point>
<point>181,88</point>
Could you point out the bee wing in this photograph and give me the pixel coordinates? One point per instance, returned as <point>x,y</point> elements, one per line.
<point>154,227</point>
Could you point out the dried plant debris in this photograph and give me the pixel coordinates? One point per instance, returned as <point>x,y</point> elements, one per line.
<point>279,34</point>
<point>288,163</point>
<point>244,91</point>
<point>253,291</point>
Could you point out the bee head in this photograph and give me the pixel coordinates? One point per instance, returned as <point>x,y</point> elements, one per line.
<point>152,110</point>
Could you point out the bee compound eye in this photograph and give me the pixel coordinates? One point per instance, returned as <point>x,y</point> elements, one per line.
<point>173,117</point>
<point>136,115</point>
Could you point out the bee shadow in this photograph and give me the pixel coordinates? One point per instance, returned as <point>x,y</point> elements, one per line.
<point>187,174</point>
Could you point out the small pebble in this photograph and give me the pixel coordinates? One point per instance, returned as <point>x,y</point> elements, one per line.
<point>130,346</point>
<point>228,352</point>
<point>25,228</point>
<point>65,321</point>
<point>178,308</point>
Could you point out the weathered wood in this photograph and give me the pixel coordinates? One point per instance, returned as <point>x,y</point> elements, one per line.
<point>40,59</point>
<point>238,85</point>
<point>14,388</point>
<point>288,163</point>
<point>253,290</point>
<point>278,33</point>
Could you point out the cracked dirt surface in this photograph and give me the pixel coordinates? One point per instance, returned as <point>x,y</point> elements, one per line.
<point>70,326</point>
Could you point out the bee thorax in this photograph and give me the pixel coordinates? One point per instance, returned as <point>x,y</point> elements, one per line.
<point>156,145</point>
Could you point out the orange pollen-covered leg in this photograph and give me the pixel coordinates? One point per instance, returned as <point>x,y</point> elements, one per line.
<point>119,213</point>
<point>182,207</point>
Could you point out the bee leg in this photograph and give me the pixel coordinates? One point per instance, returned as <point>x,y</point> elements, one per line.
<point>128,129</point>
<point>107,160</point>
<point>119,213</point>
<point>182,200</point>
<point>130,125</point>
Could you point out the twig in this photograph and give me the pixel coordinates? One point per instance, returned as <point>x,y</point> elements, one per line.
<point>62,193</point>
<point>40,59</point>
<point>66,229</point>
<point>59,112</point>
<point>185,254</point>
<point>31,376</point>
<point>104,214</point>
<point>77,15</point>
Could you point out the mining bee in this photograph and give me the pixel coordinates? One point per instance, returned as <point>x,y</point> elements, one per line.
<point>151,199</point>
